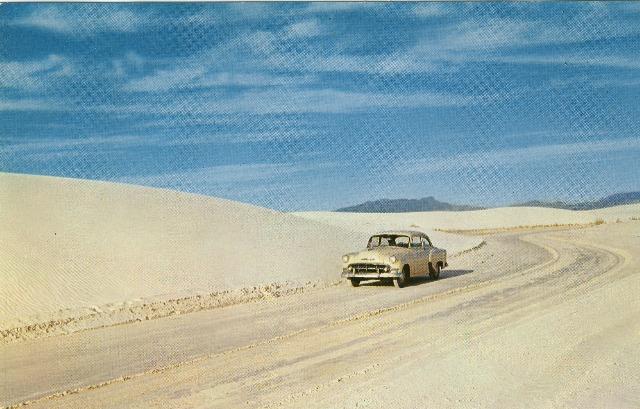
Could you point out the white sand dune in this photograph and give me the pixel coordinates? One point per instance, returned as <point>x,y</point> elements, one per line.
<point>69,244</point>
<point>477,219</point>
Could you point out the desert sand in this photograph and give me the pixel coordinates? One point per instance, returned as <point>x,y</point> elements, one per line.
<point>78,253</point>
<point>544,317</point>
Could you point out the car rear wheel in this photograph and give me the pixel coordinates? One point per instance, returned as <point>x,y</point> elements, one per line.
<point>355,282</point>
<point>434,272</point>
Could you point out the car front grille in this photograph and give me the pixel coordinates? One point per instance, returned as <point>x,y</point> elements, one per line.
<point>360,268</point>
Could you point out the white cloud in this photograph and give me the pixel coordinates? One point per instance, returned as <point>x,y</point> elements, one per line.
<point>296,100</point>
<point>48,18</point>
<point>131,62</point>
<point>429,9</point>
<point>401,62</point>
<point>62,147</point>
<point>249,10</point>
<point>336,6</point>
<point>83,19</point>
<point>336,101</point>
<point>198,76</point>
<point>164,80</point>
<point>302,29</point>
<point>439,49</point>
<point>267,49</point>
<point>54,155</point>
<point>261,42</point>
<point>483,34</point>
<point>32,75</point>
<point>244,137</point>
<point>223,174</point>
<point>252,80</point>
<point>45,145</point>
<point>487,34</point>
<point>218,121</point>
<point>28,105</point>
<point>571,59</point>
<point>517,156</point>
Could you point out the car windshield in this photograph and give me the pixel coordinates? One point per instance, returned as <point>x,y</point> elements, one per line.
<point>392,240</point>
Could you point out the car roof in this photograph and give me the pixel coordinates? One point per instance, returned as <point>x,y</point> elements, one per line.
<point>402,233</point>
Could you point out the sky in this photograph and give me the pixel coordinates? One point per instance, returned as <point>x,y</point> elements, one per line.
<point>315,106</point>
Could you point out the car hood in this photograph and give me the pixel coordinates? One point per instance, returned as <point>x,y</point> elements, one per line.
<point>377,255</point>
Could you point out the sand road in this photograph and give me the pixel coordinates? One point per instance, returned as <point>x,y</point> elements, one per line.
<point>543,319</point>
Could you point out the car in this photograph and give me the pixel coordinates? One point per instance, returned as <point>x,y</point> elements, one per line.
<point>395,255</point>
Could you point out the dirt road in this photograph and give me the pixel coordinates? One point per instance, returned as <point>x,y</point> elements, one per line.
<point>546,319</point>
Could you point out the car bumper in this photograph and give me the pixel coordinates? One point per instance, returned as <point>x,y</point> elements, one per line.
<point>372,275</point>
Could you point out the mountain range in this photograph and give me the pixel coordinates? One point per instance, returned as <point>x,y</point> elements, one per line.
<point>616,199</point>
<point>426,204</point>
<point>429,204</point>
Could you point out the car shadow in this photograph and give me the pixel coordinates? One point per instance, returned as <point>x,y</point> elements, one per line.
<point>417,280</point>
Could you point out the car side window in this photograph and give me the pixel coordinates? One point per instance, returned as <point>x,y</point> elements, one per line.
<point>402,241</point>
<point>416,242</point>
<point>425,243</point>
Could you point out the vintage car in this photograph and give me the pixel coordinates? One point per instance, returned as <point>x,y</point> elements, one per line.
<point>395,255</point>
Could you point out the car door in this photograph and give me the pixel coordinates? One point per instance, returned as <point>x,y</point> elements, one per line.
<point>428,248</point>
<point>420,257</point>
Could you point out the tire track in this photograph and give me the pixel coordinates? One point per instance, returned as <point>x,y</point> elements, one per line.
<point>458,291</point>
<point>508,316</point>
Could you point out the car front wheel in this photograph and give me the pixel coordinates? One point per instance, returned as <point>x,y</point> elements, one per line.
<point>401,281</point>
<point>355,282</point>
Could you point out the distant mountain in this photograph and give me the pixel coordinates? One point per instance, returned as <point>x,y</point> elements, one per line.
<point>430,204</point>
<point>426,204</point>
<point>611,200</point>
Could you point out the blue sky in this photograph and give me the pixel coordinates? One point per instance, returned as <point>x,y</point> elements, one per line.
<point>303,106</point>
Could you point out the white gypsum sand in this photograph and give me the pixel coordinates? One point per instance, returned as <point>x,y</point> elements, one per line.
<point>71,245</point>
<point>544,318</point>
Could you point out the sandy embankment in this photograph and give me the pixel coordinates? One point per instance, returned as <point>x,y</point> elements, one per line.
<point>80,253</point>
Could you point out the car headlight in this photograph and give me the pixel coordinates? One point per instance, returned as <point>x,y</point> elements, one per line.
<point>393,259</point>
<point>345,258</point>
